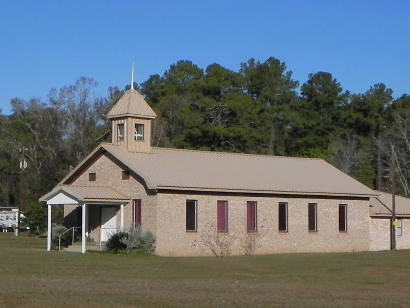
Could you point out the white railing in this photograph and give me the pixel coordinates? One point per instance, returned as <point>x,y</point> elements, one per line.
<point>66,231</point>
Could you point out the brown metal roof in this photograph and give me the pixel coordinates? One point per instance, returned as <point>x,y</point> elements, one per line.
<point>382,205</point>
<point>131,104</point>
<point>215,171</point>
<point>86,193</point>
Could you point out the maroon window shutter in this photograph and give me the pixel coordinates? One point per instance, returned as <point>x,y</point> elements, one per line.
<point>136,209</point>
<point>251,216</point>
<point>222,217</point>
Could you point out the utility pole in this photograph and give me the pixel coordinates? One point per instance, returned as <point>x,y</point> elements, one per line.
<point>23,166</point>
<point>393,193</point>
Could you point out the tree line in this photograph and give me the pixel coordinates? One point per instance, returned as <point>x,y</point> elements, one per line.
<point>259,109</point>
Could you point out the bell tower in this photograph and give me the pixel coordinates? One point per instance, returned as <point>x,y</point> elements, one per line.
<point>131,121</point>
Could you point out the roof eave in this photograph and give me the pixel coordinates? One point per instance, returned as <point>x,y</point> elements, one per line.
<point>54,192</point>
<point>106,200</point>
<point>234,190</point>
<point>388,215</point>
<point>123,115</point>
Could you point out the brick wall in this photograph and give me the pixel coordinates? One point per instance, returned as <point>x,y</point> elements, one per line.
<point>172,238</point>
<point>108,173</point>
<point>380,234</point>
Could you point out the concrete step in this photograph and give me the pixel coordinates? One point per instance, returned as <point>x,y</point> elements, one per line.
<point>76,247</point>
<point>78,243</point>
<point>73,248</point>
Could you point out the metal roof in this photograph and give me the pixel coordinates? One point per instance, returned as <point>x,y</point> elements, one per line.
<point>166,168</point>
<point>382,205</point>
<point>131,104</point>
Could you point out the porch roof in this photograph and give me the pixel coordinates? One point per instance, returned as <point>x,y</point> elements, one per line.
<point>86,193</point>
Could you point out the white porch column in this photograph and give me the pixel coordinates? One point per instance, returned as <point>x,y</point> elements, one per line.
<point>122,216</point>
<point>48,227</point>
<point>83,227</point>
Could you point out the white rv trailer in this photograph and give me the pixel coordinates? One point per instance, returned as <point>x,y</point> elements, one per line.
<point>8,218</point>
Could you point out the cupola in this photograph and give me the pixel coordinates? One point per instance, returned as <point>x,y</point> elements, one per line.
<point>131,122</point>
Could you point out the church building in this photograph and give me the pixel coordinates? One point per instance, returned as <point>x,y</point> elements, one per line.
<point>198,201</point>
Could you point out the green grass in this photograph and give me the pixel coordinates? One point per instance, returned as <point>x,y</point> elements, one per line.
<point>31,277</point>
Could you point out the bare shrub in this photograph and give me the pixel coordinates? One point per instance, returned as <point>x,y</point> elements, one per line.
<point>252,240</point>
<point>219,243</point>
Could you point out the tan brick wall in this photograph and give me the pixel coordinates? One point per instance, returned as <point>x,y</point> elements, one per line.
<point>379,231</point>
<point>109,174</point>
<point>172,239</point>
<point>380,234</point>
<point>403,242</point>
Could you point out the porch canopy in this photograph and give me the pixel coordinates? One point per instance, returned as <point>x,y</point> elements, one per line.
<point>81,196</point>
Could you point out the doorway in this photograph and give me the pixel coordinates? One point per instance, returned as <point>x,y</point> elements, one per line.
<point>108,223</point>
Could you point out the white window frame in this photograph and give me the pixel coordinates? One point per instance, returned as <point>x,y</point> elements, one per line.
<point>120,137</point>
<point>195,216</point>
<point>137,136</point>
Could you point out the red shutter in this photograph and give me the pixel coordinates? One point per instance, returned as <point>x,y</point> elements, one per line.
<point>251,216</point>
<point>136,213</point>
<point>222,219</point>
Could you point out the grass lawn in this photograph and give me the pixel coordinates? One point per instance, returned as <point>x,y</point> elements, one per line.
<point>31,277</point>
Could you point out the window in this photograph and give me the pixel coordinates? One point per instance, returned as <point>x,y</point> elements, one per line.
<point>399,227</point>
<point>139,132</point>
<point>125,175</point>
<point>120,132</point>
<point>251,216</point>
<point>222,216</point>
<point>136,213</point>
<point>92,176</point>
<point>312,216</point>
<point>283,216</point>
<point>342,217</point>
<point>191,215</point>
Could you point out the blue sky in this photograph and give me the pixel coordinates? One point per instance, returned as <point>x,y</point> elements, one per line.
<point>45,44</point>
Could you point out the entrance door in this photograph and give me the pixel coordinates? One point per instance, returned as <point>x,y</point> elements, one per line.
<point>108,222</point>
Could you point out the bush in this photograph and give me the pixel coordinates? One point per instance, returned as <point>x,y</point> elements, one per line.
<point>56,231</point>
<point>138,239</point>
<point>114,243</point>
<point>133,240</point>
<point>35,217</point>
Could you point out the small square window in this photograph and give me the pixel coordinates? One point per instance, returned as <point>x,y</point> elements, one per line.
<point>120,132</point>
<point>125,175</point>
<point>139,131</point>
<point>92,176</point>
